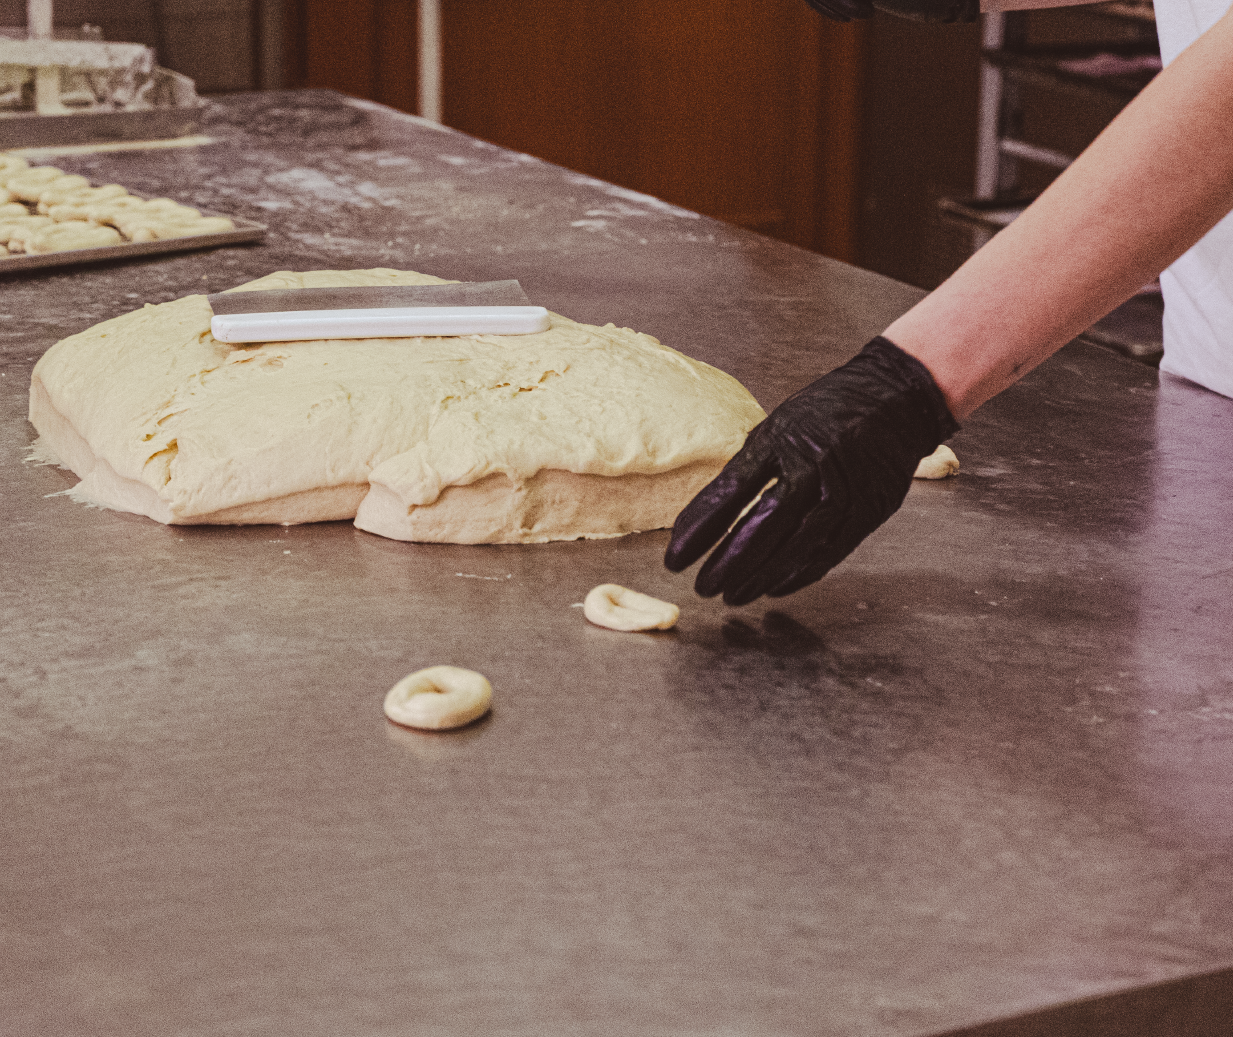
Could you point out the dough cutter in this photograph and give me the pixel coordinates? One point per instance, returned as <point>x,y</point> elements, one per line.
<point>382,311</point>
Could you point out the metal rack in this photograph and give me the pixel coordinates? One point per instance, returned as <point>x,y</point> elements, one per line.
<point>1011,64</point>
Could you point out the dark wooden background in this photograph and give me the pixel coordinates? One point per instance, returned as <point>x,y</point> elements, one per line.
<point>835,137</point>
<point>746,110</point>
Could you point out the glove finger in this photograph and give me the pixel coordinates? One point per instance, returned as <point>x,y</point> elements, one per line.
<point>828,509</point>
<point>759,534</point>
<point>841,544</point>
<point>754,537</point>
<point>796,558</point>
<point>716,506</point>
<point>861,512</point>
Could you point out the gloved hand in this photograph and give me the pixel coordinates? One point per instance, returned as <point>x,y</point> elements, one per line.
<point>843,451</point>
<point>917,10</point>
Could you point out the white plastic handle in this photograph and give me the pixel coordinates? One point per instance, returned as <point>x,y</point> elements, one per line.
<point>394,322</point>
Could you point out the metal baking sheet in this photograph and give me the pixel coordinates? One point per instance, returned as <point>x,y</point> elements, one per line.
<point>245,230</point>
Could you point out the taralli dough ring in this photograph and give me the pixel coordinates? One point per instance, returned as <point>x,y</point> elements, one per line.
<point>101,211</point>
<point>439,698</point>
<point>938,465</point>
<point>618,608</point>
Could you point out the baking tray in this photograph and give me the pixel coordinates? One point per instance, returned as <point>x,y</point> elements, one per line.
<point>26,130</point>
<point>245,230</point>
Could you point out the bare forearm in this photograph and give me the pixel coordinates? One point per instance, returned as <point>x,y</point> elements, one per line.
<point>991,6</point>
<point>1157,179</point>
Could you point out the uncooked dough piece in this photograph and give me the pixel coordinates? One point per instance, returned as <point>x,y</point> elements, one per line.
<point>618,608</point>
<point>16,231</point>
<point>131,207</point>
<point>65,237</point>
<point>577,431</point>
<point>439,698</point>
<point>28,184</point>
<point>98,211</point>
<point>62,186</point>
<point>57,195</point>
<point>938,465</point>
<point>157,229</point>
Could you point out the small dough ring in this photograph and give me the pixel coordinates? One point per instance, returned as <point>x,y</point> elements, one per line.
<point>618,608</point>
<point>439,698</point>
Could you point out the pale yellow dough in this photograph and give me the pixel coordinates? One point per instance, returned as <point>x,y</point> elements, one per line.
<point>618,608</point>
<point>62,237</point>
<point>578,431</point>
<point>439,698</point>
<point>938,465</point>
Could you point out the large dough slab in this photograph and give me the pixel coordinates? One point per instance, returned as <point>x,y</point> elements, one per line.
<point>577,431</point>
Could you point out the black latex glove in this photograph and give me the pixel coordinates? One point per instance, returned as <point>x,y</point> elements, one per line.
<point>843,449</point>
<point>917,10</point>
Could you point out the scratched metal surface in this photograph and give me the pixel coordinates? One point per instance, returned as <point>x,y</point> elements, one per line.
<point>979,774</point>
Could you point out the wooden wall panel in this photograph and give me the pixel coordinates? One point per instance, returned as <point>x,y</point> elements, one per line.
<point>397,81</point>
<point>366,48</point>
<point>746,110</point>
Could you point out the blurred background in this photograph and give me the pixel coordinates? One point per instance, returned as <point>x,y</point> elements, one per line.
<point>861,141</point>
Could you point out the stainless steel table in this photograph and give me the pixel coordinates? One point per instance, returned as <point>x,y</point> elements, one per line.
<point>979,780</point>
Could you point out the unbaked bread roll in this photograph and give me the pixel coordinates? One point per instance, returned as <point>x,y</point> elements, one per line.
<point>11,165</point>
<point>17,231</point>
<point>154,228</point>
<point>65,237</point>
<point>28,184</point>
<point>57,194</point>
<point>62,186</point>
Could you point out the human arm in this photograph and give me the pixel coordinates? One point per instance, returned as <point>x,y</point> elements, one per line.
<point>1154,182</point>
<point>844,448</point>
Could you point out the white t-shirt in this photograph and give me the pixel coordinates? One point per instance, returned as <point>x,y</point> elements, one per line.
<point>1198,288</point>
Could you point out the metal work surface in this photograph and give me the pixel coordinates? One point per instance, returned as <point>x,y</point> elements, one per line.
<point>982,772</point>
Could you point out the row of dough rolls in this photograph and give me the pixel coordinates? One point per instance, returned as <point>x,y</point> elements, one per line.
<point>43,209</point>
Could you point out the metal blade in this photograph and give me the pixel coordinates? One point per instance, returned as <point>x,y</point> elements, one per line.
<point>379,297</point>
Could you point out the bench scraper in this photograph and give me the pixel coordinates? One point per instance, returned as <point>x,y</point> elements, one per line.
<point>381,311</point>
